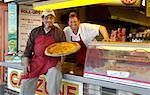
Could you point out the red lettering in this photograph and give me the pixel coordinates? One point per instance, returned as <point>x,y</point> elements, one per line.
<point>71,90</point>
<point>41,86</point>
<point>15,79</point>
<point>62,90</point>
<point>46,87</point>
<point>40,82</point>
<point>12,77</point>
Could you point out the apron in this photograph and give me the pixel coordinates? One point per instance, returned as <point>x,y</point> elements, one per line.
<point>81,54</point>
<point>40,63</point>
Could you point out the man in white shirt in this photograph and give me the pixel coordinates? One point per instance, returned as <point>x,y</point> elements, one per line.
<point>83,33</point>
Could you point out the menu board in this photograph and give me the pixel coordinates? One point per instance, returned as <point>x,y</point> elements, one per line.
<point>28,20</point>
<point>147,8</point>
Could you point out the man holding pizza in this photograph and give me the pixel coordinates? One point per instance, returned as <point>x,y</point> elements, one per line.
<point>83,33</point>
<point>36,62</point>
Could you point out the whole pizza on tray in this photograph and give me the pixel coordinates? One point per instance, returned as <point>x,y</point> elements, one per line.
<point>62,48</point>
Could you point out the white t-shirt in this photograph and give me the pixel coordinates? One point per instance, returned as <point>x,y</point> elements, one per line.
<point>87,32</point>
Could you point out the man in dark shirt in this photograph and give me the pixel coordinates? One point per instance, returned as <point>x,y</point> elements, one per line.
<point>36,62</point>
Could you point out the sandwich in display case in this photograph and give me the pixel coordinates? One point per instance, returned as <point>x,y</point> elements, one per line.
<point>119,62</point>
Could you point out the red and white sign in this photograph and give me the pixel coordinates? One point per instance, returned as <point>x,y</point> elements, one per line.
<point>67,88</point>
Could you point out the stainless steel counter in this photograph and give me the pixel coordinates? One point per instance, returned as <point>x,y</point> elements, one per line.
<point>15,65</point>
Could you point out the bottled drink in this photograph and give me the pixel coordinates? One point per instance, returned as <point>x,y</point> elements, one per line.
<point>130,37</point>
<point>144,37</point>
<point>133,37</point>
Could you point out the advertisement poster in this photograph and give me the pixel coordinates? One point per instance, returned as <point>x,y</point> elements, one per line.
<point>67,88</point>
<point>28,19</point>
<point>12,28</point>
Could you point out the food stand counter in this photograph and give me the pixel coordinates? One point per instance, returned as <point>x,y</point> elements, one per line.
<point>84,83</point>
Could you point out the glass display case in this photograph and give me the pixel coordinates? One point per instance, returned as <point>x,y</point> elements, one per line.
<point>126,63</point>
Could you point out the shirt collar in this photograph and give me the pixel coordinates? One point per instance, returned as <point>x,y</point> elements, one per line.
<point>71,32</point>
<point>43,32</point>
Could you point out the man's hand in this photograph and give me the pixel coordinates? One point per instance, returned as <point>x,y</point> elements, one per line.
<point>58,66</point>
<point>104,32</point>
<point>106,40</point>
<point>26,64</point>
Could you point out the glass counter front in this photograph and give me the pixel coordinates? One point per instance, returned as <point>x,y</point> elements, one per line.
<point>127,63</point>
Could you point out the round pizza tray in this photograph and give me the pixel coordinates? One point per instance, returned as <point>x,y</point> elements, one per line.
<point>77,47</point>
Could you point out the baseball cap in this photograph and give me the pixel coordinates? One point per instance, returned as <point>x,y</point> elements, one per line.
<point>47,12</point>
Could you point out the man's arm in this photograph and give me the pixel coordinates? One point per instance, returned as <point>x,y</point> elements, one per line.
<point>29,46</point>
<point>26,64</point>
<point>104,32</point>
<point>28,52</point>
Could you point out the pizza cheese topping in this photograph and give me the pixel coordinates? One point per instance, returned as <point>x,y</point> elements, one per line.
<point>62,48</point>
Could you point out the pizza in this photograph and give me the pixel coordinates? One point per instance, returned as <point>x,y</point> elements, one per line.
<point>129,2</point>
<point>125,67</point>
<point>62,48</point>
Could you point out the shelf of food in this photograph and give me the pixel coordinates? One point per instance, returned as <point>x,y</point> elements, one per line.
<point>128,58</point>
<point>121,44</point>
<point>118,62</point>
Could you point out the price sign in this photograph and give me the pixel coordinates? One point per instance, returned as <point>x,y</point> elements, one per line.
<point>120,74</point>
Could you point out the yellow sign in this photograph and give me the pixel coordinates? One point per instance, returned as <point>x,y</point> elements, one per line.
<point>148,8</point>
<point>61,4</point>
<point>67,88</point>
